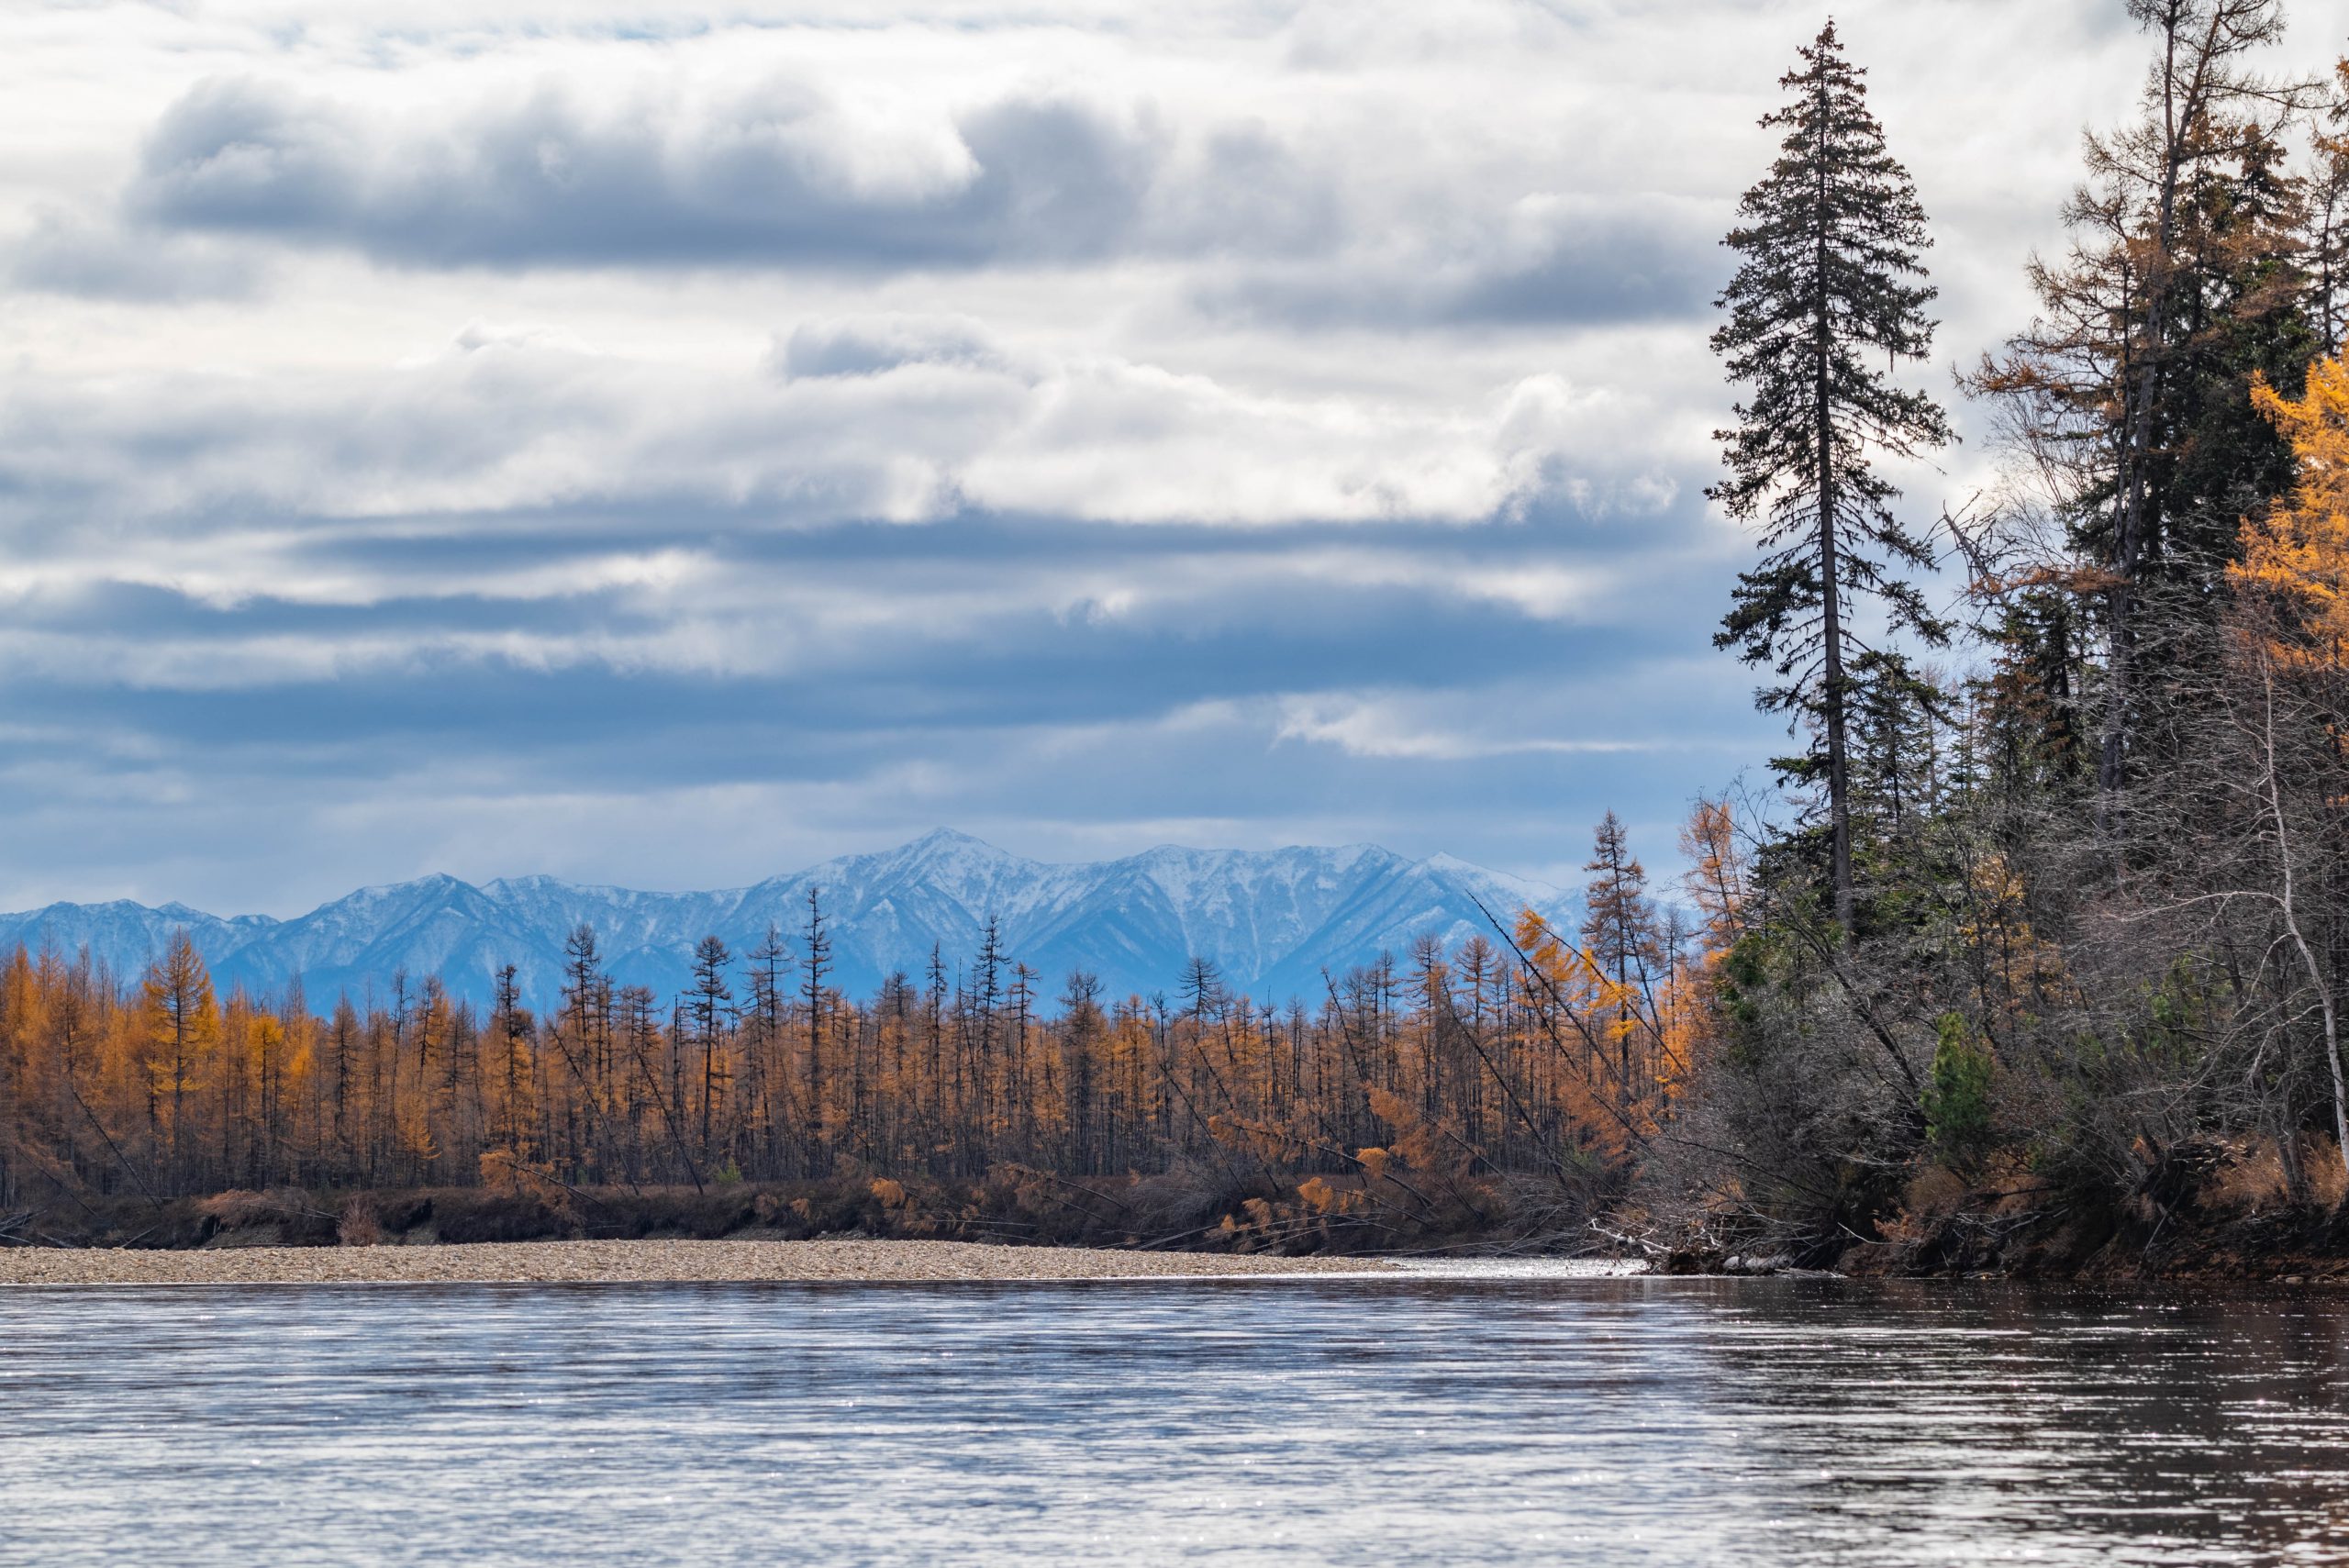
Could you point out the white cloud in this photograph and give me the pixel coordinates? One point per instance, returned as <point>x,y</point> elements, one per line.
<point>1417,727</point>
<point>893,419</point>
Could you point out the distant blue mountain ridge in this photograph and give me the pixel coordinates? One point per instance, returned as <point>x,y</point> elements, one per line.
<point>1272,921</point>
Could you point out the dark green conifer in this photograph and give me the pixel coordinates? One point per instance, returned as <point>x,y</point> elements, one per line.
<point>1829,299</point>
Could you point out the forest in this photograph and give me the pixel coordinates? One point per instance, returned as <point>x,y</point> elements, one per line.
<point>2028,955</point>
<point>1390,1106</point>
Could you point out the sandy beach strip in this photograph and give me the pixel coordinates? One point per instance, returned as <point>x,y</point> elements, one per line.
<point>654,1262</point>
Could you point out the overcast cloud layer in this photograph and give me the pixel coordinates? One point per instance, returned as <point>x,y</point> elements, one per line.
<point>506,438</point>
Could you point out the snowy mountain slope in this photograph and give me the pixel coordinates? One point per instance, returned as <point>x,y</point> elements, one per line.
<point>1272,921</point>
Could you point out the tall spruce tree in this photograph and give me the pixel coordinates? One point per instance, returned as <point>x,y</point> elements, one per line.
<point>1829,283</point>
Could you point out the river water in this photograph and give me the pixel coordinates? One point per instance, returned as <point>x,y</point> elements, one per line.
<point>1460,1419</point>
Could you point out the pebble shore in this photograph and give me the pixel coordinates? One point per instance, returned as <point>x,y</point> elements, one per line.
<point>615,1263</point>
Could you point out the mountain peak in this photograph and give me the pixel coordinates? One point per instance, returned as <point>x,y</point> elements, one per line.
<point>1270,919</point>
<point>955,836</point>
<point>431,882</point>
<point>947,843</point>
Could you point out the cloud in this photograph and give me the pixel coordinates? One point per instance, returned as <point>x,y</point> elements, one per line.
<point>788,174</point>
<point>890,417</point>
<point>871,345</point>
<point>1415,726</point>
<point>69,253</point>
<point>716,786</point>
<point>1546,258</point>
<point>785,174</point>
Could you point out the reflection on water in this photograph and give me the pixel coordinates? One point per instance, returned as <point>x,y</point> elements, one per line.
<point>1390,1421</point>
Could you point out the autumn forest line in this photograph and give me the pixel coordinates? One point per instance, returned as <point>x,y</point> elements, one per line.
<point>1487,1058</point>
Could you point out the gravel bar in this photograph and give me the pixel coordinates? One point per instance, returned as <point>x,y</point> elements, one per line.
<point>616,1263</point>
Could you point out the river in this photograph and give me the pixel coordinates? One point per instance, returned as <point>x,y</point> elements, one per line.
<point>1460,1417</point>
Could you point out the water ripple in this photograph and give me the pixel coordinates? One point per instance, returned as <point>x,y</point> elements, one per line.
<point>1414,1420</point>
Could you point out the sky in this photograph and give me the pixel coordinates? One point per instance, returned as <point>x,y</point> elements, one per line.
<point>668,446</point>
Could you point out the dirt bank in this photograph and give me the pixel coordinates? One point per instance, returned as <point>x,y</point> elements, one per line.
<point>653,1262</point>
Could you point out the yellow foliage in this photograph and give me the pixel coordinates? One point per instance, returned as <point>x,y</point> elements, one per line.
<point>1629,1048</point>
<point>500,1170</point>
<point>183,1021</point>
<point>1415,1144</point>
<point>1565,967</point>
<point>891,1194</point>
<point>2298,555</point>
<point>1715,876</point>
<point>265,1040</point>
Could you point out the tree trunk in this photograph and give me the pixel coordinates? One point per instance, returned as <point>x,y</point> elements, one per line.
<point>1839,804</point>
<point>2288,899</point>
<point>2137,433</point>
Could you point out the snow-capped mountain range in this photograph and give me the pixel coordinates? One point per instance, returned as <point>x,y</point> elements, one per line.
<point>1272,921</point>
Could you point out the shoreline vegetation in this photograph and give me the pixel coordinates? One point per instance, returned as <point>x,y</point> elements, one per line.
<point>465,1236</point>
<point>879,1228</point>
<point>2029,959</point>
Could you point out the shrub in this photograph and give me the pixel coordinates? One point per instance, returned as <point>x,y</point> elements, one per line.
<point>1956,1100</point>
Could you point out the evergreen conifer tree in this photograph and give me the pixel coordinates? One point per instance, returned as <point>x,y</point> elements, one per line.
<point>1830,279</point>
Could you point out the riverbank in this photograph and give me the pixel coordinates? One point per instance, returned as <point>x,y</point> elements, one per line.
<point>1173,1212</point>
<point>640,1262</point>
<point>1025,1225</point>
